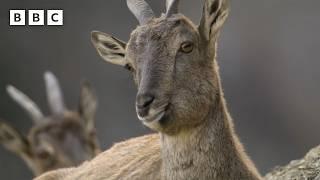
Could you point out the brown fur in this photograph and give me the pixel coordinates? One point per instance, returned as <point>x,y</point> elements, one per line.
<point>119,162</point>
<point>174,65</point>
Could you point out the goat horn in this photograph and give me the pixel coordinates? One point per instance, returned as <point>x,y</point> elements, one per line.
<point>172,7</point>
<point>141,10</point>
<point>26,103</point>
<point>54,94</point>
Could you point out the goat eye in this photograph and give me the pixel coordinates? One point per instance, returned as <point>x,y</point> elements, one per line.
<point>186,47</point>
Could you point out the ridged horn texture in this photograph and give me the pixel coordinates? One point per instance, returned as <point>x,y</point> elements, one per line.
<point>172,7</point>
<point>141,10</point>
<point>26,103</point>
<point>54,94</point>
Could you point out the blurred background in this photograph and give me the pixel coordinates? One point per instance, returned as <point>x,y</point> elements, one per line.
<point>268,55</point>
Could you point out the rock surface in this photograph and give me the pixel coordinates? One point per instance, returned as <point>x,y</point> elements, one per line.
<point>307,168</point>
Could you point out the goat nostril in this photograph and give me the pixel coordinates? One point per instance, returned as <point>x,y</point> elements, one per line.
<point>144,100</point>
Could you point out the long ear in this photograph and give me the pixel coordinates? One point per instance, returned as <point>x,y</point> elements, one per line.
<point>109,48</point>
<point>12,140</point>
<point>214,14</point>
<point>88,105</point>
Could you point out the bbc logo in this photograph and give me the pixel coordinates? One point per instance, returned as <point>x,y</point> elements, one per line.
<point>36,17</point>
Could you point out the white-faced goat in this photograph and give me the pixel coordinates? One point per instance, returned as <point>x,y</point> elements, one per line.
<point>63,139</point>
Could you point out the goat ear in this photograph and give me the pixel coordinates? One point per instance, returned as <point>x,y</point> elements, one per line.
<point>12,140</point>
<point>214,14</point>
<point>88,105</point>
<point>109,48</point>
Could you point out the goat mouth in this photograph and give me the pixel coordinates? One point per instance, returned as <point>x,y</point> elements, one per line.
<point>155,115</point>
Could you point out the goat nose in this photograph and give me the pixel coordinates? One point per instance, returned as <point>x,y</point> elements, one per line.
<point>144,100</point>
